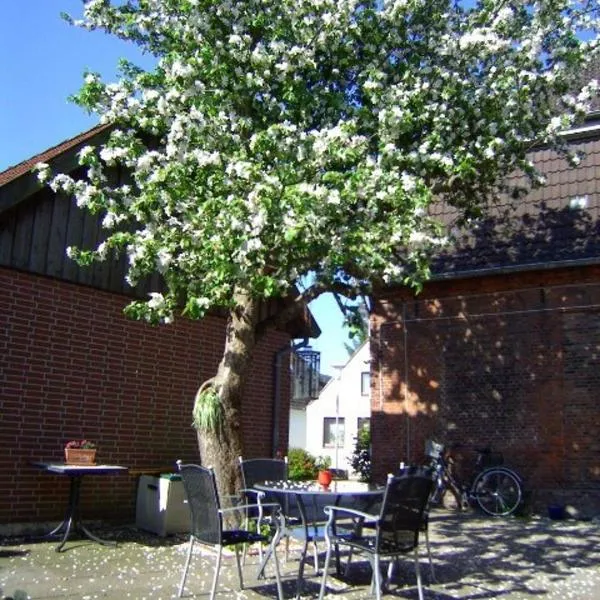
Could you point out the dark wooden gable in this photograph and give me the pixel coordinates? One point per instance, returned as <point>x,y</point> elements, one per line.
<point>35,232</point>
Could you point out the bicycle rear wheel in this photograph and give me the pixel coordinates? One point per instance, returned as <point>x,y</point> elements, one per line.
<point>498,491</point>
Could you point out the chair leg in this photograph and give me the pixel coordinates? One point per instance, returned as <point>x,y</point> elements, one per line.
<point>258,522</point>
<point>376,579</point>
<point>187,566</point>
<point>213,591</point>
<point>325,570</point>
<point>418,574</point>
<point>277,570</point>
<point>245,525</point>
<point>239,567</point>
<point>429,555</point>
<point>372,585</point>
<point>316,556</point>
<point>348,562</point>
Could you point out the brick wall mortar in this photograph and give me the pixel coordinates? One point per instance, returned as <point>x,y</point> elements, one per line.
<point>73,366</point>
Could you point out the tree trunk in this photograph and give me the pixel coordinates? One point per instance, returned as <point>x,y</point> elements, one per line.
<point>221,449</point>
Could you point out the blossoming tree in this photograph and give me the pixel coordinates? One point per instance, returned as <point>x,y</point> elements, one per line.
<point>283,143</point>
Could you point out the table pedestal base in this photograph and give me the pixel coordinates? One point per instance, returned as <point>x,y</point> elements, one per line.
<point>72,520</point>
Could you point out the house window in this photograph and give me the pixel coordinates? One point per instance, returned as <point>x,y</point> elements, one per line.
<point>363,423</point>
<point>365,383</point>
<point>330,435</point>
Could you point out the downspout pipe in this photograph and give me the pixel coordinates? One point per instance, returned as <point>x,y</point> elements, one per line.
<point>278,364</point>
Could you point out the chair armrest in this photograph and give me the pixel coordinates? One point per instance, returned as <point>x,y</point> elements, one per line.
<point>251,491</point>
<point>343,511</point>
<point>245,506</point>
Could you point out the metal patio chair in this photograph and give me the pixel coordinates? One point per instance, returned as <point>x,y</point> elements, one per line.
<point>256,470</point>
<point>393,532</point>
<point>408,470</point>
<point>253,471</point>
<point>207,523</point>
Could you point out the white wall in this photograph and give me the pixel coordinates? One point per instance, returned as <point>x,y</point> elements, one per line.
<point>345,391</point>
<point>297,433</point>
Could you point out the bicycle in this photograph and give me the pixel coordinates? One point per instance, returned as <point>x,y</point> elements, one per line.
<point>497,490</point>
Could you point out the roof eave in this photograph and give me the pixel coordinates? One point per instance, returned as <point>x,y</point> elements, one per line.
<point>513,269</point>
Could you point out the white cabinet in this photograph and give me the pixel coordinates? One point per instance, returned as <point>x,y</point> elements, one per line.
<point>161,506</point>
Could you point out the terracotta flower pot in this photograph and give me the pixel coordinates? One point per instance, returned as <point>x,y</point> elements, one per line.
<point>324,478</point>
<point>80,456</point>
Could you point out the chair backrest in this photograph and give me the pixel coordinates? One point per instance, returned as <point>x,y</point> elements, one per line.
<point>426,470</point>
<point>403,509</point>
<point>200,487</point>
<point>255,470</point>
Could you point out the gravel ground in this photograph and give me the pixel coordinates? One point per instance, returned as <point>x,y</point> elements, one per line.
<point>475,558</point>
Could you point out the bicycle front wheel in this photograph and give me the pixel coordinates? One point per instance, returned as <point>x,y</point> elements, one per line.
<point>498,491</point>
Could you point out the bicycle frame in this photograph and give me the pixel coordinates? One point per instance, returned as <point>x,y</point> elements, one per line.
<point>445,479</point>
<point>497,490</point>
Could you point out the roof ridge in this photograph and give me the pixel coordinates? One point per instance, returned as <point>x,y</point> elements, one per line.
<point>15,171</point>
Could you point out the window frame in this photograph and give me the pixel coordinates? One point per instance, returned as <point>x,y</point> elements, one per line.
<point>330,430</point>
<point>365,383</point>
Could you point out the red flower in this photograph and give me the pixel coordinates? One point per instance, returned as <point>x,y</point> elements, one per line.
<point>81,444</point>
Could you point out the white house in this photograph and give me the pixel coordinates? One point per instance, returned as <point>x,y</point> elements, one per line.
<point>343,406</point>
<point>297,435</point>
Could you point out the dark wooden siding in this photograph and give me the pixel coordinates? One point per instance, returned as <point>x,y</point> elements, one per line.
<point>35,234</point>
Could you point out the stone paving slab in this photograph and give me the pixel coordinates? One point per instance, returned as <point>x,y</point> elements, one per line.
<point>475,558</point>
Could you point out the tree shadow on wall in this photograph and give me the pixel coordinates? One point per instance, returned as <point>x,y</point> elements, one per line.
<point>487,367</point>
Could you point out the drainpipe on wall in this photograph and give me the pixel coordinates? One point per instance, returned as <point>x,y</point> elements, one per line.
<point>406,390</point>
<point>277,390</point>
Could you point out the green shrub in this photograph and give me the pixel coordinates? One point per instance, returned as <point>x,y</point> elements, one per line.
<point>302,465</point>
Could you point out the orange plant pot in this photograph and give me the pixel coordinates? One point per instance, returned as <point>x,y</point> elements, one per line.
<point>80,456</point>
<point>324,478</point>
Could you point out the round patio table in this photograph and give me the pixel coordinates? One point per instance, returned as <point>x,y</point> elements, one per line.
<point>310,498</point>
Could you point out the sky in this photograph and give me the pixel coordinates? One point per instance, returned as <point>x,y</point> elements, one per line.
<point>42,61</point>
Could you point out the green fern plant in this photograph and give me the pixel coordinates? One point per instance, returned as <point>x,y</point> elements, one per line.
<point>208,410</point>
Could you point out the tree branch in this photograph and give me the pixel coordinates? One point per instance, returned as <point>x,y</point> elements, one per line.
<point>298,306</point>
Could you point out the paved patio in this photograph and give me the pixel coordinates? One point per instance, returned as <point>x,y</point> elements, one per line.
<point>475,558</point>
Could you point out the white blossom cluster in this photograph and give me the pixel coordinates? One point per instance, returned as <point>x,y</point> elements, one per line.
<point>277,137</point>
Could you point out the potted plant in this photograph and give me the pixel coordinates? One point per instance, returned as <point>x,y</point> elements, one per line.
<point>80,452</point>
<point>324,475</point>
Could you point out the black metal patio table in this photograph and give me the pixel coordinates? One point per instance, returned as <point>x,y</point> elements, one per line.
<point>72,520</point>
<point>310,498</point>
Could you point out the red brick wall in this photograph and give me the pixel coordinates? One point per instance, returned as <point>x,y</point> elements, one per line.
<point>72,366</point>
<point>512,362</point>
